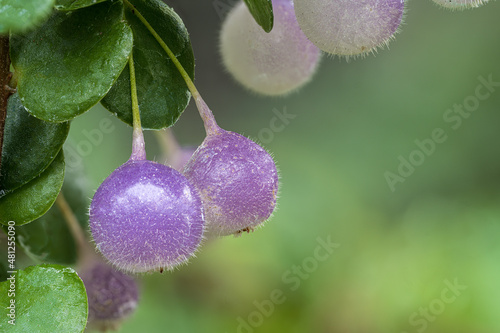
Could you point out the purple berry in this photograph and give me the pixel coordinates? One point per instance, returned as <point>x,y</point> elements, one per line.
<point>460,4</point>
<point>237,180</point>
<point>146,216</point>
<point>273,63</point>
<point>112,296</point>
<point>346,27</point>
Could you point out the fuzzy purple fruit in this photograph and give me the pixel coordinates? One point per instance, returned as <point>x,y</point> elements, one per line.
<point>237,180</point>
<point>273,63</point>
<point>112,296</point>
<point>346,27</point>
<point>146,216</point>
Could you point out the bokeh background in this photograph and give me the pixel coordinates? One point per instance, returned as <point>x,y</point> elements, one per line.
<point>398,251</point>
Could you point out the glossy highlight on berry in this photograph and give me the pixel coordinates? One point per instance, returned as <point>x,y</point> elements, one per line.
<point>145,217</point>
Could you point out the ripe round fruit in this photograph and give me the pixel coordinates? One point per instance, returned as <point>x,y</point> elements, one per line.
<point>112,296</point>
<point>146,216</point>
<point>460,4</point>
<point>349,27</point>
<point>273,63</point>
<point>237,180</point>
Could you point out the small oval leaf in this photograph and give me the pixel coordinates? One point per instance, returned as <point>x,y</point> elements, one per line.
<point>75,4</point>
<point>68,64</point>
<point>33,199</point>
<point>21,15</point>
<point>162,93</point>
<point>262,12</point>
<point>30,145</point>
<point>48,298</point>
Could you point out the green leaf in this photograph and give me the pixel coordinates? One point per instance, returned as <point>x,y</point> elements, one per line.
<point>262,12</point>
<point>33,199</point>
<point>67,65</point>
<point>30,145</point>
<point>48,298</point>
<point>162,93</point>
<point>48,238</point>
<point>21,15</point>
<point>75,4</point>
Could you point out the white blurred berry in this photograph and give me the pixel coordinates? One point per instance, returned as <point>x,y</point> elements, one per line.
<point>274,63</point>
<point>348,27</point>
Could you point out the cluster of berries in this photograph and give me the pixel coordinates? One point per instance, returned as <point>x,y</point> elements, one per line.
<point>147,216</point>
<point>283,60</point>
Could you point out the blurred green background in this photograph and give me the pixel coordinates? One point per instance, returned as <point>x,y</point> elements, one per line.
<point>398,250</point>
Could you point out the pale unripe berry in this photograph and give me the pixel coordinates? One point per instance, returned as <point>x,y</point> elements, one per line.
<point>460,4</point>
<point>146,216</point>
<point>348,27</point>
<point>112,296</point>
<point>237,180</point>
<point>272,63</point>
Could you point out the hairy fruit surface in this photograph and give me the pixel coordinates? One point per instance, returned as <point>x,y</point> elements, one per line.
<point>112,296</point>
<point>146,216</point>
<point>237,180</point>
<point>346,27</point>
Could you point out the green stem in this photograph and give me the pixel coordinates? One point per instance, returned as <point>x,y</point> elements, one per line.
<point>206,114</point>
<point>138,146</point>
<point>176,62</point>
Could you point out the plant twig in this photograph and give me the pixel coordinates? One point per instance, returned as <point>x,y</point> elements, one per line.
<point>83,248</point>
<point>206,114</point>
<point>138,146</point>
<point>5,90</point>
